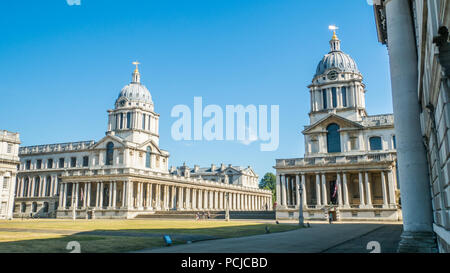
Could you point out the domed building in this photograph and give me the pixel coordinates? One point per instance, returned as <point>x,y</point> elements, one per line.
<point>349,168</point>
<point>123,175</point>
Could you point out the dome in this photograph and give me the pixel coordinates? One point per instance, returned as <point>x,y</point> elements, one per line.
<point>135,91</point>
<point>336,59</point>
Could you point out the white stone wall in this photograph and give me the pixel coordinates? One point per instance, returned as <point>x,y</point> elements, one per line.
<point>9,147</point>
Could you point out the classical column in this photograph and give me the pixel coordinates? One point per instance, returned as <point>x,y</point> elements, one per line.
<point>101,194</point>
<point>361,190</point>
<point>124,194</point>
<point>85,195</point>
<point>324,190</point>
<point>345,190</point>
<point>339,186</point>
<point>194,199</point>
<point>61,193</point>
<point>110,195</point>
<point>383,189</point>
<point>319,202</point>
<point>181,199</point>
<point>43,187</point>
<point>297,190</point>
<point>283,190</point>
<point>305,204</point>
<point>158,197</point>
<point>188,198</point>
<point>392,199</point>
<point>200,199</point>
<point>278,190</point>
<point>88,195</point>
<point>417,212</point>
<point>368,190</point>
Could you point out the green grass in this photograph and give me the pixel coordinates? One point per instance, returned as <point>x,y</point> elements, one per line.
<point>23,240</point>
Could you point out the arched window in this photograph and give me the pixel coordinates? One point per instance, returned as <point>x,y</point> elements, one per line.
<point>129,120</point>
<point>148,157</point>
<point>37,182</point>
<point>25,187</point>
<point>48,185</point>
<point>375,144</point>
<point>109,153</point>
<point>333,138</point>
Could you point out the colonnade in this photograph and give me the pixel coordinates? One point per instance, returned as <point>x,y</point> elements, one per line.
<point>158,196</point>
<point>288,189</point>
<point>37,186</point>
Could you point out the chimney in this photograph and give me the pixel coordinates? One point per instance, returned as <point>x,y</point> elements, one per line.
<point>196,168</point>
<point>222,167</point>
<point>213,168</point>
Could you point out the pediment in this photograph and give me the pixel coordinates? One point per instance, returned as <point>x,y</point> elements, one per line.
<point>152,144</point>
<point>321,125</point>
<point>118,142</point>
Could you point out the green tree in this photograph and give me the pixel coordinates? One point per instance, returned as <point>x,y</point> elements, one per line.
<point>269,182</point>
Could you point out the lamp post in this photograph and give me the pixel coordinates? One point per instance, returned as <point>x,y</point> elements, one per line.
<point>300,207</point>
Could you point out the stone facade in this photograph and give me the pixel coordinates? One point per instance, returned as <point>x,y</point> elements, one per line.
<point>349,168</point>
<point>122,175</point>
<point>416,35</point>
<point>9,160</point>
<point>234,175</point>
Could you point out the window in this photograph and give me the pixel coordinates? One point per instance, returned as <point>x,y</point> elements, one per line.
<point>9,148</point>
<point>128,120</point>
<point>143,121</point>
<point>45,207</point>
<point>39,164</point>
<point>28,165</point>
<point>85,161</point>
<point>324,97</point>
<point>333,138</point>
<point>61,162</point>
<point>121,120</point>
<point>47,186</point>
<point>34,207</point>
<point>375,144</point>
<point>394,142</point>
<point>23,207</point>
<point>5,182</point>
<point>334,97</point>
<point>109,153</point>
<point>73,162</point>
<point>49,163</point>
<point>37,183</point>
<point>344,96</point>
<point>148,157</point>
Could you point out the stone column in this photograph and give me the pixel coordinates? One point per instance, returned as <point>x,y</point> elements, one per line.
<point>62,195</point>
<point>368,190</point>
<point>417,213</point>
<point>319,202</point>
<point>283,190</point>
<point>101,194</point>
<point>194,199</point>
<point>124,194</point>
<point>392,200</point>
<point>278,190</point>
<point>305,204</point>
<point>158,197</point>
<point>345,190</point>
<point>110,197</point>
<point>200,199</point>
<point>324,190</point>
<point>181,199</point>
<point>361,190</point>
<point>339,186</point>
<point>188,198</point>
<point>85,194</point>
<point>383,188</point>
<point>297,190</point>
<point>43,187</point>
<point>88,195</point>
<point>97,197</point>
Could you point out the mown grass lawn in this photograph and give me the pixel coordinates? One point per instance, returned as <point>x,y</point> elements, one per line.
<point>39,236</point>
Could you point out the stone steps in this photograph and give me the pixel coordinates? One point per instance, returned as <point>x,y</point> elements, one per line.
<point>266,215</point>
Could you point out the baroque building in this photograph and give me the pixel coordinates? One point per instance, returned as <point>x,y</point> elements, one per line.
<point>9,161</point>
<point>416,34</point>
<point>123,175</point>
<point>349,168</point>
<point>235,175</point>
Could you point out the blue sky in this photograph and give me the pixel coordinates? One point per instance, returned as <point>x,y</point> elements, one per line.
<point>62,67</point>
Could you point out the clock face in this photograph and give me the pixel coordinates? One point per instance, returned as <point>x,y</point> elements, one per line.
<point>332,75</point>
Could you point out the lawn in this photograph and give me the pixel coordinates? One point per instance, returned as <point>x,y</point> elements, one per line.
<point>52,236</point>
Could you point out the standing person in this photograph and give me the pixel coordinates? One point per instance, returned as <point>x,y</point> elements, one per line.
<point>330,216</point>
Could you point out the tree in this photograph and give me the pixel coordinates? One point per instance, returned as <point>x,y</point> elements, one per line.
<point>269,182</point>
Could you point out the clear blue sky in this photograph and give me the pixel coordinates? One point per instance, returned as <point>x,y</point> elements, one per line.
<point>62,67</point>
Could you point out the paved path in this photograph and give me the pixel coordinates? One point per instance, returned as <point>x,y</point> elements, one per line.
<point>318,238</point>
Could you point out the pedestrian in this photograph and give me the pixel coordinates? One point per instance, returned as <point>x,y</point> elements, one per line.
<point>330,217</point>
<point>209,215</point>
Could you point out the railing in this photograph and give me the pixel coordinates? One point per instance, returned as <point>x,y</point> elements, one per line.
<point>72,146</point>
<point>337,159</point>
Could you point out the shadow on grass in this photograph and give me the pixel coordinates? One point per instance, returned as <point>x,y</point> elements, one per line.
<point>125,240</point>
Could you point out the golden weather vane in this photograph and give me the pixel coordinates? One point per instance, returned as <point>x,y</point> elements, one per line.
<point>136,63</point>
<point>333,28</point>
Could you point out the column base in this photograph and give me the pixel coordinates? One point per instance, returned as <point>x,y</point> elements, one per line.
<point>417,242</point>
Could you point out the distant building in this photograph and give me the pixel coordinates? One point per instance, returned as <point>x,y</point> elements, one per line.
<point>349,168</point>
<point>123,175</point>
<point>234,175</point>
<point>416,34</point>
<point>9,161</point>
